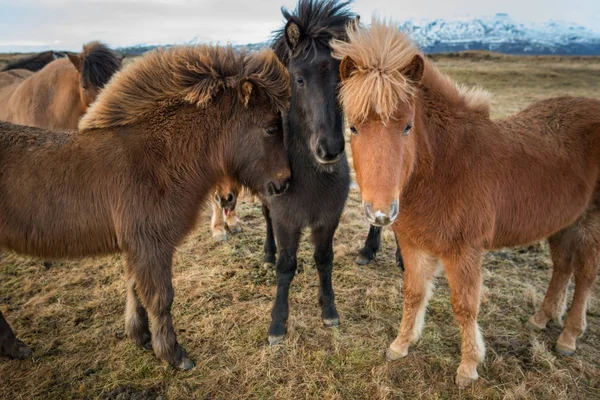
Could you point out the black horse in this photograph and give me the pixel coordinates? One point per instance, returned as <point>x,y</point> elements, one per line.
<point>34,62</point>
<point>314,134</point>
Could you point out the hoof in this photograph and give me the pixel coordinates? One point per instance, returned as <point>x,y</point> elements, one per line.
<point>235,229</point>
<point>393,355</point>
<point>362,260</point>
<point>564,349</point>
<point>268,265</point>
<point>464,382</point>
<point>220,237</point>
<point>275,340</point>
<point>331,322</point>
<point>531,324</point>
<point>186,364</point>
<point>18,350</point>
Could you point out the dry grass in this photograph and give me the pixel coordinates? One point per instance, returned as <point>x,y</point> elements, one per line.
<point>72,314</point>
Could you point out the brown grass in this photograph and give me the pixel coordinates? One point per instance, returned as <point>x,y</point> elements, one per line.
<point>72,314</point>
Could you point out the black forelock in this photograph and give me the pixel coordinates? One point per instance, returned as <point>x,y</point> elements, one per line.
<point>320,21</point>
<point>99,65</point>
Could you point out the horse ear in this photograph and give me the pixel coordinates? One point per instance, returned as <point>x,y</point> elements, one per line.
<point>356,22</point>
<point>414,70</point>
<point>293,34</point>
<point>347,66</point>
<point>246,92</point>
<point>75,60</point>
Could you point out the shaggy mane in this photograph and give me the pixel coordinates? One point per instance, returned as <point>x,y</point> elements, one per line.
<point>190,74</point>
<point>381,53</point>
<point>320,20</point>
<point>99,64</point>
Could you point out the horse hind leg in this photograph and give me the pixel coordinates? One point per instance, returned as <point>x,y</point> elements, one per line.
<point>9,345</point>
<point>554,304</point>
<point>585,270</point>
<point>217,222</point>
<point>371,247</point>
<point>136,318</point>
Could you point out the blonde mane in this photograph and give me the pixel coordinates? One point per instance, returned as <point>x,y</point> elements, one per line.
<point>190,74</point>
<point>377,84</point>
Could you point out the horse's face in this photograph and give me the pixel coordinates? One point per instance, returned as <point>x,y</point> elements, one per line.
<point>259,157</point>
<point>87,92</point>
<point>383,154</point>
<point>314,79</point>
<point>383,149</point>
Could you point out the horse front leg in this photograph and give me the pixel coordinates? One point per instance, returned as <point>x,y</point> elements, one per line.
<point>288,239</point>
<point>10,346</point>
<point>270,248</point>
<point>151,269</point>
<point>323,240</point>
<point>420,269</point>
<point>465,279</point>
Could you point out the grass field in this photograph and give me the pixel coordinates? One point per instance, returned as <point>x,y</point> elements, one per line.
<point>72,314</point>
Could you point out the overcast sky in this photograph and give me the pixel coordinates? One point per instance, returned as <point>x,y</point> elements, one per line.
<point>66,24</point>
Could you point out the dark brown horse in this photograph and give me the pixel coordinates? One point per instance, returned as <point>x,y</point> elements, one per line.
<point>59,94</point>
<point>34,62</point>
<point>132,179</point>
<point>453,183</point>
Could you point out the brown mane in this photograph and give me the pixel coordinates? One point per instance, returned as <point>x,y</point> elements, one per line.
<point>192,74</point>
<point>381,53</point>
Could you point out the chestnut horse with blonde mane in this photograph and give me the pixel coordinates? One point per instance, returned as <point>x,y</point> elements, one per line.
<point>147,154</point>
<point>453,183</point>
<point>58,95</point>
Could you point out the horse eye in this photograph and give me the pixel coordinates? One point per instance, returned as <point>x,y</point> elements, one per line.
<point>300,81</point>
<point>271,130</point>
<point>353,130</point>
<point>84,86</point>
<point>407,129</point>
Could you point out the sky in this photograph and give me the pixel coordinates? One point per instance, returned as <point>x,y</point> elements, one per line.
<point>34,25</point>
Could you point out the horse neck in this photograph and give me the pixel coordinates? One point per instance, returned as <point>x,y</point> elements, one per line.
<point>59,81</point>
<point>441,120</point>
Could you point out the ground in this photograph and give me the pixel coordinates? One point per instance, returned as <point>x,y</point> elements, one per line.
<point>72,314</point>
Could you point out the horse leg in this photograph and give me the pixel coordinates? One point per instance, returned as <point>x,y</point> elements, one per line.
<point>9,345</point>
<point>288,239</point>
<point>233,222</point>
<point>151,267</point>
<point>585,265</point>
<point>323,240</point>
<point>465,280</point>
<point>136,317</point>
<point>270,246</point>
<point>421,268</point>
<point>399,260</point>
<point>217,223</point>
<point>371,247</point>
<point>554,304</point>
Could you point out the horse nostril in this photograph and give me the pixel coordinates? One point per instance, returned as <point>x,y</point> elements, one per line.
<point>217,198</point>
<point>394,210</point>
<point>230,197</point>
<point>321,149</point>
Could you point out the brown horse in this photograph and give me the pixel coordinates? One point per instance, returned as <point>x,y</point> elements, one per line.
<point>59,94</point>
<point>454,183</point>
<point>133,178</point>
<point>224,216</point>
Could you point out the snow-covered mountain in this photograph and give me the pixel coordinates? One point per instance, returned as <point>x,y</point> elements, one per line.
<point>502,34</point>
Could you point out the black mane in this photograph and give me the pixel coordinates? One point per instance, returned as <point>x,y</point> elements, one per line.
<point>320,20</point>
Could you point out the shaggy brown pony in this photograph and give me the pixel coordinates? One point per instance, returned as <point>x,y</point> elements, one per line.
<point>132,179</point>
<point>34,62</point>
<point>59,94</point>
<point>455,184</point>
